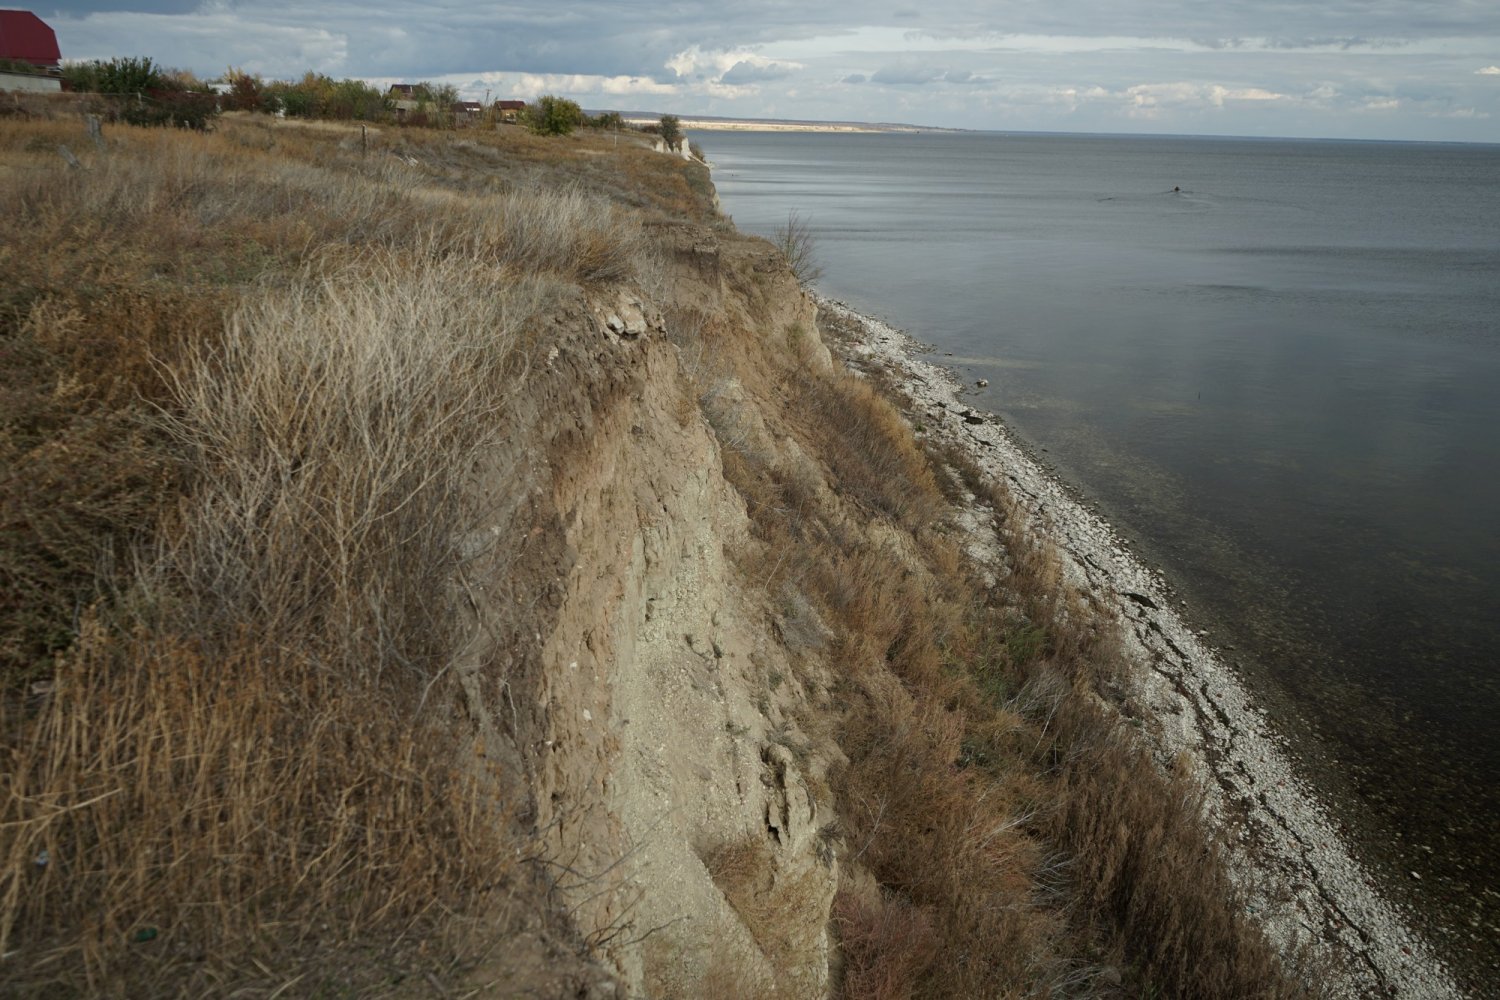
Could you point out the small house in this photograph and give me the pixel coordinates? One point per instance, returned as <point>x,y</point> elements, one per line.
<point>404,99</point>
<point>26,38</point>
<point>509,111</point>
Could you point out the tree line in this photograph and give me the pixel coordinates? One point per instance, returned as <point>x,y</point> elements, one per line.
<point>171,96</point>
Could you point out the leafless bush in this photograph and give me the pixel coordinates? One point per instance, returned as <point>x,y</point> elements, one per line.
<point>798,245</point>
<point>566,231</point>
<point>335,425</point>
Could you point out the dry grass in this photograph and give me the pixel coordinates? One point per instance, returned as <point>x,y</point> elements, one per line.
<point>246,389</point>
<point>1021,843</point>
<point>772,903</point>
<point>146,251</point>
<point>262,370</point>
<point>888,946</point>
<point>204,767</point>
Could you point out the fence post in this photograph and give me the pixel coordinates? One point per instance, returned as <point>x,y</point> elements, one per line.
<point>96,130</point>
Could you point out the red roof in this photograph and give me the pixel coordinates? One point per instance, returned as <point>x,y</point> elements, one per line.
<point>26,38</point>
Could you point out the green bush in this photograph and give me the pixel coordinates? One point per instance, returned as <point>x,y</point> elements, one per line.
<point>671,131</point>
<point>145,93</point>
<point>185,108</point>
<point>320,96</point>
<point>125,75</point>
<point>551,115</point>
<point>20,66</point>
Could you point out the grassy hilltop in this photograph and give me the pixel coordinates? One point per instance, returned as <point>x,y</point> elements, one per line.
<point>323,466</point>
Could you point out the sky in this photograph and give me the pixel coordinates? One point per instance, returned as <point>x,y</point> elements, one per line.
<point>1361,69</point>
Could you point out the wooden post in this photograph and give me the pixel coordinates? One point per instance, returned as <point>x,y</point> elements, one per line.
<point>96,131</point>
<point>364,140</point>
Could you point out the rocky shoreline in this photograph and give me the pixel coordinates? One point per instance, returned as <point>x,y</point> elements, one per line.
<point>1299,872</point>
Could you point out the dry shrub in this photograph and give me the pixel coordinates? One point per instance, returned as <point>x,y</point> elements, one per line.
<point>568,232</point>
<point>206,764</point>
<point>1145,865</point>
<point>887,946</point>
<point>773,903</point>
<point>335,426</point>
<point>952,840</point>
<point>870,449</point>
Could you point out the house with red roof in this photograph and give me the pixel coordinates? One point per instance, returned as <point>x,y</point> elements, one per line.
<point>26,38</point>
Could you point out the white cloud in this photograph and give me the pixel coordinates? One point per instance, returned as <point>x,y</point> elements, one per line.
<point>1234,66</point>
<point>725,65</point>
<point>1150,99</point>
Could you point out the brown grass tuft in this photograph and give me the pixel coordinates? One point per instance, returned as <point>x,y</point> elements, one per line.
<point>888,946</point>
<point>1020,842</point>
<point>261,369</point>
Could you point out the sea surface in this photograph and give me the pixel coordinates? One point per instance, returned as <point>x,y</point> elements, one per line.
<point>1275,365</point>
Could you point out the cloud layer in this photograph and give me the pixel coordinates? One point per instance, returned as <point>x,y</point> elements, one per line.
<point>1357,68</point>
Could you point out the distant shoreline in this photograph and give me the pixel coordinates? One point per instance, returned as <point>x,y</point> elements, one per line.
<point>771,125</point>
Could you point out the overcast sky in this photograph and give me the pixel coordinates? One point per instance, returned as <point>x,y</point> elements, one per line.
<point>1378,69</point>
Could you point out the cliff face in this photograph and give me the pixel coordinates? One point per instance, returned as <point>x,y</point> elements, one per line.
<point>524,600</point>
<point>650,711</point>
<point>797,708</point>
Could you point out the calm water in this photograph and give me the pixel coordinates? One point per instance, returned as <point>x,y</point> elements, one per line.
<point>1283,381</point>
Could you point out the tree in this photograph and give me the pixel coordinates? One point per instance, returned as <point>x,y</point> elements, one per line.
<point>549,115</point>
<point>671,131</point>
<point>245,91</point>
<point>143,92</point>
<point>355,99</point>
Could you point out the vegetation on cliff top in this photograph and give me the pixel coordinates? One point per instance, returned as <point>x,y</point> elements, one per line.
<point>247,379</point>
<point>245,374</point>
